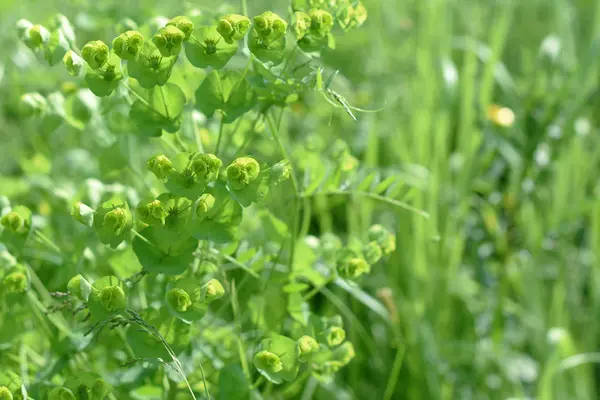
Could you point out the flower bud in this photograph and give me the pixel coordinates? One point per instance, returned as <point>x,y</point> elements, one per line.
<point>344,353</point>
<point>204,204</point>
<point>82,213</point>
<point>36,36</point>
<point>321,22</point>
<point>152,212</point>
<point>334,336</point>
<point>23,26</point>
<point>330,245</point>
<point>242,171</point>
<point>372,252</point>
<point>267,361</point>
<point>61,393</point>
<point>233,27</point>
<point>353,267</point>
<point>305,347</point>
<point>5,393</point>
<point>184,24</point>
<point>179,299</point>
<point>95,53</point>
<point>13,222</point>
<point>79,287</point>
<point>32,104</point>
<point>212,290</point>
<point>331,367</point>
<point>15,282</point>
<point>168,40</point>
<point>160,166</point>
<point>113,298</point>
<point>280,172</point>
<point>206,167</point>
<point>384,238</point>
<point>128,45</point>
<point>270,26</point>
<point>99,389</point>
<point>116,220</point>
<point>301,24</point>
<point>73,63</point>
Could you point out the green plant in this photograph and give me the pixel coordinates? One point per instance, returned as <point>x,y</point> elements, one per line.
<point>176,253</point>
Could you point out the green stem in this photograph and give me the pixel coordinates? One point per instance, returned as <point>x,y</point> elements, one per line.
<point>136,94</point>
<point>296,205</point>
<point>221,126</point>
<point>373,196</point>
<point>44,239</point>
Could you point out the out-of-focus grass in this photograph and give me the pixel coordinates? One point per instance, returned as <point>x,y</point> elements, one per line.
<point>499,288</point>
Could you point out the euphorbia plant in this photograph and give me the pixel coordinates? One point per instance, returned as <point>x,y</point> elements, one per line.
<point>173,253</point>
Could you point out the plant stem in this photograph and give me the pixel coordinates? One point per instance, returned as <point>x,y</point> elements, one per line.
<point>221,126</point>
<point>296,205</point>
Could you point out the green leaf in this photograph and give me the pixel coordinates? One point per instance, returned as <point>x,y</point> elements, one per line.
<point>197,309</point>
<point>146,345</point>
<point>105,234</point>
<point>273,52</point>
<point>97,309</point>
<point>157,109</point>
<point>103,81</point>
<point>233,384</point>
<point>285,349</point>
<point>228,91</point>
<point>56,47</point>
<point>151,68</point>
<point>221,223</point>
<point>169,258</point>
<point>255,192</point>
<point>207,48</point>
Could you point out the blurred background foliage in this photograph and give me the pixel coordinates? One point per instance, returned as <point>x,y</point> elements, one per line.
<point>497,294</point>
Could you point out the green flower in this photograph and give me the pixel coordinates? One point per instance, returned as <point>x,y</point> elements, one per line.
<point>95,53</point>
<point>179,299</point>
<point>5,394</point>
<point>36,36</point>
<point>321,22</point>
<point>169,40</point>
<point>128,45</point>
<point>212,290</point>
<point>113,298</point>
<point>372,252</point>
<point>344,353</point>
<point>334,336</point>
<point>267,361</point>
<point>242,171</point>
<point>204,204</point>
<point>384,238</point>
<point>233,27</point>
<point>353,267</point>
<point>73,63</point>
<point>82,213</point>
<point>184,24</point>
<point>152,212</point>
<point>99,389</point>
<point>117,220</point>
<point>13,222</point>
<point>270,26</point>
<point>160,166</point>
<point>79,287</point>
<point>206,167</point>
<point>61,393</point>
<point>305,347</point>
<point>15,282</point>
<point>301,24</point>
